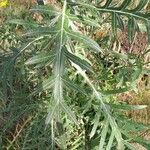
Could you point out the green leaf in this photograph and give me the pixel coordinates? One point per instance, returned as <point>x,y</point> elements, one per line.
<point>131,29</point>
<point>111,10</point>
<point>42,31</point>
<point>120,21</point>
<point>42,57</point>
<point>73,86</point>
<point>128,125</point>
<point>136,74</point>
<point>127,107</point>
<point>110,142</point>
<point>131,147</point>
<point>107,4</point>
<point>80,62</point>
<point>77,143</point>
<point>46,10</point>
<point>84,39</point>
<point>120,55</point>
<point>24,22</point>
<point>138,139</point>
<point>141,5</point>
<point>103,135</point>
<point>143,142</point>
<point>59,65</point>
<point>114,24</point>
<point>45,85</point>
<point>148,30</point>
<point>25,46</point>
<point>117,132</point>
<point>84,20</point>
<point>96,123</point>
<point>115,91</point>
<point>51,114</point>
<point>69,112</point>
<point>124,4</point>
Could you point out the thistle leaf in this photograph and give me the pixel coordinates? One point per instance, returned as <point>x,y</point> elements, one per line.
<point>110,142</point>
<point>84,20</point>
<point>131,147</point>
<point>40,58</point>
<point>127,107</point>
<point>141,5</point>
<point>107,4</point>
<point>84,39</point>
<point>148,30</point>
<point>50,10</point>
<point>82,63</point>
<point>46,84</point>
<point>124,4</point>
<point>96,123</point>
<point>114,24</point>
<point>120,21</point>
<point>131,29</point>
<point>103,135</point>
<point>69,112</point>
<point>23,22</point>
<point>42,31</point>
<point>71,85</point>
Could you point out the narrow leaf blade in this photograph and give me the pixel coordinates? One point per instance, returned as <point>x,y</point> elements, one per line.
<point>103,136</point>
<point>124,4</point>
<point>69,112</point>
<point>96,123</point>
<point>86,40</point>
<point>127,107</point>
<point>82,63</point>
<point>141,5</point>
<point>72,85</point>
<point>39,58</point>
<point>110,142</point>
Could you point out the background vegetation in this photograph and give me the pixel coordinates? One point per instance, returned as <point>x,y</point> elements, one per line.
<point>74,75</point>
